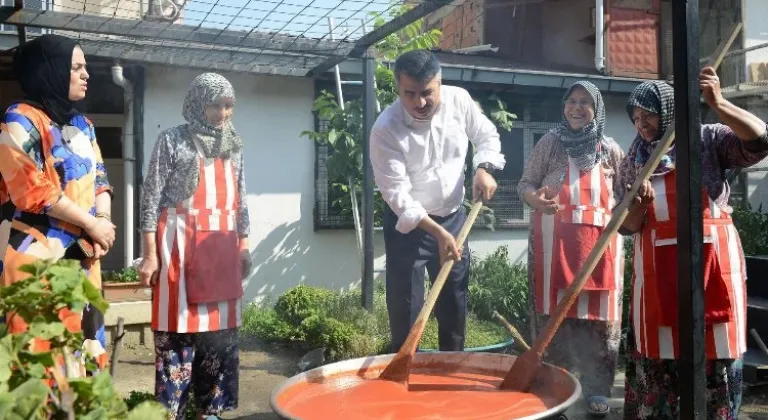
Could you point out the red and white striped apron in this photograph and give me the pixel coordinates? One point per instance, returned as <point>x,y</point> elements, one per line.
<point>199,287</point>
<point>562,242</point>
<point>654,309</point>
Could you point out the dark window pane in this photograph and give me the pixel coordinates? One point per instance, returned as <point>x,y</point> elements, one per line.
<point>512,148</point>
<point>110,140</point>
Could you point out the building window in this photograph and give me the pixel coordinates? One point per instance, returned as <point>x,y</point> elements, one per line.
<point>110,141</point>
<point>509,209</point>
<point>29,4</point>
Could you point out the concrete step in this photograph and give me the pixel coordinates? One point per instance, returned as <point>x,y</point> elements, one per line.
<point>137,318</point>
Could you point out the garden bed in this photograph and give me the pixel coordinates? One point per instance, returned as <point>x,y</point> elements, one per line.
<point>307,318</point>
<point>124,286</point>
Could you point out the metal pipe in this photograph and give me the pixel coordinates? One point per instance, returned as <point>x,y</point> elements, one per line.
<point>21,30</point>
<point>599,36</point>
<point>137,75</point>
<point>336,72</point>
<point>369,117</point>
<point>129,162</point>
<point>378,105</point>
<point>690,228</point>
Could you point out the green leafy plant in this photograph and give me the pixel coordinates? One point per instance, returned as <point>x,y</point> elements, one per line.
<point>126,275</point>
<point>496,284</point>
<point>338,323</point>
<point>343,136</point>
<point>412,37</point>
<point>136,398</point>
<point>38,384</point>
<point>752,226</point>
<point>301,302</point>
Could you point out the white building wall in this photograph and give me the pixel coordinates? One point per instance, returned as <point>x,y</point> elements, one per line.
<point>617,123</point>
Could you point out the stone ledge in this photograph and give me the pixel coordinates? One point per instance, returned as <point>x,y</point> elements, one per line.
<point>132,312</point>
<point>137,318</point>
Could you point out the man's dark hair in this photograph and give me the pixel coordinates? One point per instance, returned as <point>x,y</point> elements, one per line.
<point>421,65</point>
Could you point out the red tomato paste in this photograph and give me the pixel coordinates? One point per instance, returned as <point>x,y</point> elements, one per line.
<point>448,396</point>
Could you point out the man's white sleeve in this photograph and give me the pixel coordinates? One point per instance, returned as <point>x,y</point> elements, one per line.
<point>388,162</point>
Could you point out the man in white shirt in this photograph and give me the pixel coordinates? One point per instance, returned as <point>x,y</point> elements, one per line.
<point>418,152</point>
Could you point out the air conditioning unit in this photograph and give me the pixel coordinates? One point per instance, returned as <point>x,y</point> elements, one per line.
<point>164,10</point>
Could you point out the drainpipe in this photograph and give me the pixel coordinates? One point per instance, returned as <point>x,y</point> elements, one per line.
<point>600,35</point>
<point>129,161</point>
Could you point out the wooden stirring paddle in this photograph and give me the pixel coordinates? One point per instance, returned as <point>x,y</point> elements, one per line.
<point>512,330</point>
<point>399,368</point>
<point>523,371</point>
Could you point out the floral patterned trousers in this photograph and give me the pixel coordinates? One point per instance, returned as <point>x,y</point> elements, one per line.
<point>651,387</point>
<point>206,364</point>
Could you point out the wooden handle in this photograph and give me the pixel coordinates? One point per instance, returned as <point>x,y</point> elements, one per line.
<point>413,338</point>
<point>512,330</point>
<point>619,214</point>
<point>725,45</point>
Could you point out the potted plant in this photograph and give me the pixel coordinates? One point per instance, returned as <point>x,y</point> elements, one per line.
<point>124,286</point>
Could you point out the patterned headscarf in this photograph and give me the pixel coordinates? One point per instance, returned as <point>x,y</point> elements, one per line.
<point>205,89</point>
<point>659,98</point>
<point>583,145</point>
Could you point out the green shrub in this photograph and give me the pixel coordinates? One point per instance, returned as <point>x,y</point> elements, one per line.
<point>126,275</point>
<point>495,284</point>
<point>135,398</point>
<point>265,323</point>
<point>338,323</point>
<point>324,331</point>
<point>301,302</point>
<point>752,226</point>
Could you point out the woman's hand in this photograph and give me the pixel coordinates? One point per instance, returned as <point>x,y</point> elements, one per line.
<point>148,271</point>
<point>645,195</point>
<point>709,84</point>
<point>102,231</point>
<point>99,252</point>
<point>636,217</point>
<point>543,200</point>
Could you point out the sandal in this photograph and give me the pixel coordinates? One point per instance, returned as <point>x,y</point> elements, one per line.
<point>598,406</point>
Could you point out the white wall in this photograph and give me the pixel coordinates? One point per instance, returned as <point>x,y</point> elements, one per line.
<point>617,123</point>
<point>755,31</point>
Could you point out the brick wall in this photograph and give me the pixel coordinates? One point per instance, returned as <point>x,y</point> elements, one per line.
<point>463,26</point>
